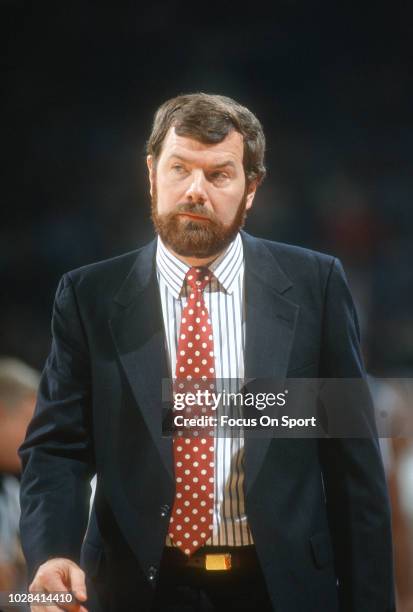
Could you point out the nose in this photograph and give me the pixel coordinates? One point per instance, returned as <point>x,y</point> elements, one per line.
<point>196,191</point>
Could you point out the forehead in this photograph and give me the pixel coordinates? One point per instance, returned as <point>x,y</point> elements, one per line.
<point>232,147</point>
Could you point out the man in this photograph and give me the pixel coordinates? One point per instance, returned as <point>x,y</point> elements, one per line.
<point>303,523</point>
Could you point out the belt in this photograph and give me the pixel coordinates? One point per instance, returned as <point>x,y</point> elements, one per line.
<point>212,559</point>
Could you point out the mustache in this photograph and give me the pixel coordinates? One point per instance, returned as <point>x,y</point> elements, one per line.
<point>195,209</point>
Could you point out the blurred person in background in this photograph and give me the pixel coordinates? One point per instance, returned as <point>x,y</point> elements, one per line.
<point>400,483</point>
<point>393,402</point>
<point>18,388</point>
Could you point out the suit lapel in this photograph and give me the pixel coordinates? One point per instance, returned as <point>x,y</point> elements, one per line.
<point>138,334</point>
<point>270,327</point>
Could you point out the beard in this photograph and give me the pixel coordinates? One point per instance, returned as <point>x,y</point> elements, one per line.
<point>193,238</point>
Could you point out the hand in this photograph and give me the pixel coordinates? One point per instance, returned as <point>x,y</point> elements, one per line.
<point>60,575</point>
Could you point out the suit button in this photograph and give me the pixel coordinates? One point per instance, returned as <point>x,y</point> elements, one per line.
<point>152,571</point>
<point>165,510</point>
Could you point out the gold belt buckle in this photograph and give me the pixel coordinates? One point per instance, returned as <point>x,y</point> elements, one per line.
<point>216,562</point>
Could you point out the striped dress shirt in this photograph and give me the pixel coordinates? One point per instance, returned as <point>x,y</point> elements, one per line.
<point>224,298</point>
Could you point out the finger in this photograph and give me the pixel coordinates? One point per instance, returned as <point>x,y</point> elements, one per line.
<point>75,607</point>
<point>78,583</point>
<point>50,581</point>
<point>45,609</point>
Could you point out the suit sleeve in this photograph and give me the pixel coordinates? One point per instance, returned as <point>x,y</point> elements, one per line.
<point>58,450</point>
<point>356,493</point>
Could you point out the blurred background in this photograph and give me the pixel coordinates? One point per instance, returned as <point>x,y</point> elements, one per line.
<point>331,83</point>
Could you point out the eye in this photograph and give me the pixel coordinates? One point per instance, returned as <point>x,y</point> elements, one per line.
<point>178,168</point>
<point>219,176</point>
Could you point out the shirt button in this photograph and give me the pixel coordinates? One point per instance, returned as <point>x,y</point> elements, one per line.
<point>152,571</point>
<point>165,510</point>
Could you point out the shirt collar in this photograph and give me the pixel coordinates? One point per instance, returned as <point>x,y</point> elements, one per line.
<point>226,268</point>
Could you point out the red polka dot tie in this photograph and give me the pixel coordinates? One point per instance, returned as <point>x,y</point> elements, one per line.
<point>192,513</point>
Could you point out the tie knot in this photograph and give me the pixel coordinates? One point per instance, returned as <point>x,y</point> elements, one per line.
<point>198,277</point>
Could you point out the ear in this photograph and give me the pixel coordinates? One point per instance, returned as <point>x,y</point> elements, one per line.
<point>151,172</point>
<point>251,189</point>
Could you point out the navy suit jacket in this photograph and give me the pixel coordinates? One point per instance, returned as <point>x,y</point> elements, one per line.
<point>318,509</point>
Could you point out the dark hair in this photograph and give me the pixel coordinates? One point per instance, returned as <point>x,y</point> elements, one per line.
<point>209,119</point>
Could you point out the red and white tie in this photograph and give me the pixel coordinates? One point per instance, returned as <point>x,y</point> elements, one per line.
<point>192,514</point>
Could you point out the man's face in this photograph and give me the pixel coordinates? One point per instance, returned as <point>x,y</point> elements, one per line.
<point>199,193</point>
